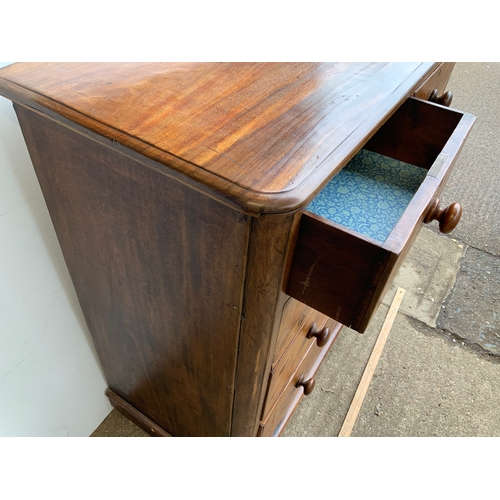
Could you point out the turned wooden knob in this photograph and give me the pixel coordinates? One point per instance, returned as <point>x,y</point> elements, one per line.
<point>308,385</point>
<point>448,217</point>
<point>322,336</point>
<point>444,99</point>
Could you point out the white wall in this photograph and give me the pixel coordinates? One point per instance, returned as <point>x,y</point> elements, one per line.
<point>50,380</point>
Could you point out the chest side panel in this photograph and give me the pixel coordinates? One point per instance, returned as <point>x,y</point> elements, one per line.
<point>158,269</point>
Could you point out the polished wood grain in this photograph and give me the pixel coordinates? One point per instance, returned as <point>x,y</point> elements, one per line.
<point>404,232</point>
<point>282,371</point>
<point>294,315</point>
<point>260,319</point>
<point>345,274</point>
<point>417,133</point>
<point>127,410</point>
<point>159,272</point>
<point>438,80</point>
<point>262,136</point>
<point>334,270</point>
<point>275,421</point>
<point>177,192</point>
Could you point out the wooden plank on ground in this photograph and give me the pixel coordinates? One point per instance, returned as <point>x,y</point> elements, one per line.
<point>357,401</point>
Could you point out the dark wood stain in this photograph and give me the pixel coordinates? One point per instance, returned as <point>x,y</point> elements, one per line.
<point>178,194</point>
<point>260,321</point>
<point>126,409</point>
<point>416,133</point>
<point>158,270</point>
<point>438,80</point>
<point>262,135</point>
<point>344,274</point>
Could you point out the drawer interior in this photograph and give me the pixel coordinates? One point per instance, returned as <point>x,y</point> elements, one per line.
<point>417,132</point>
<point>355,233</point>
<point>369,194</point>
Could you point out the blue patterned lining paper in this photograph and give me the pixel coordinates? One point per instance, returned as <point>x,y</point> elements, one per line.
<point>370,194</point>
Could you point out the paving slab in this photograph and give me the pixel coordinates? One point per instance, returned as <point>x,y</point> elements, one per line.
<point>431,380</point>
<point>472,310</point>
<point>475,179</point>
<point>424,385</point>
<point>428,274</point>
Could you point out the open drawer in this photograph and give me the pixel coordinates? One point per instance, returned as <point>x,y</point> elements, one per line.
<point>354,235</point>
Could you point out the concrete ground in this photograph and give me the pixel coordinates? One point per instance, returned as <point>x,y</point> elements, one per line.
<point>439,373</point>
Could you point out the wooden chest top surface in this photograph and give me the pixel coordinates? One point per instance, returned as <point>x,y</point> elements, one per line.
<point>266,136</point>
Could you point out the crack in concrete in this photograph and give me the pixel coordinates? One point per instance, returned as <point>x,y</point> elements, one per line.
<point>454,239</point>
<point>453,338</point>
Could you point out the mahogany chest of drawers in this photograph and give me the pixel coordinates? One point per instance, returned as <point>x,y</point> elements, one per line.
<point>181,196</point>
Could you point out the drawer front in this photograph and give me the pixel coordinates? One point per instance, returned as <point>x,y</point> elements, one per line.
<point>438,80</point>
<point>344,273</point>
<point>293,317</point>
<point>283,370</point>
<point>276,419</point>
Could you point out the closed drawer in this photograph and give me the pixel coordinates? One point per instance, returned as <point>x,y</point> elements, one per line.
<point>347,253</point>
<point>283,370</point>
<point>276,418</point>
<point>293,317</point>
